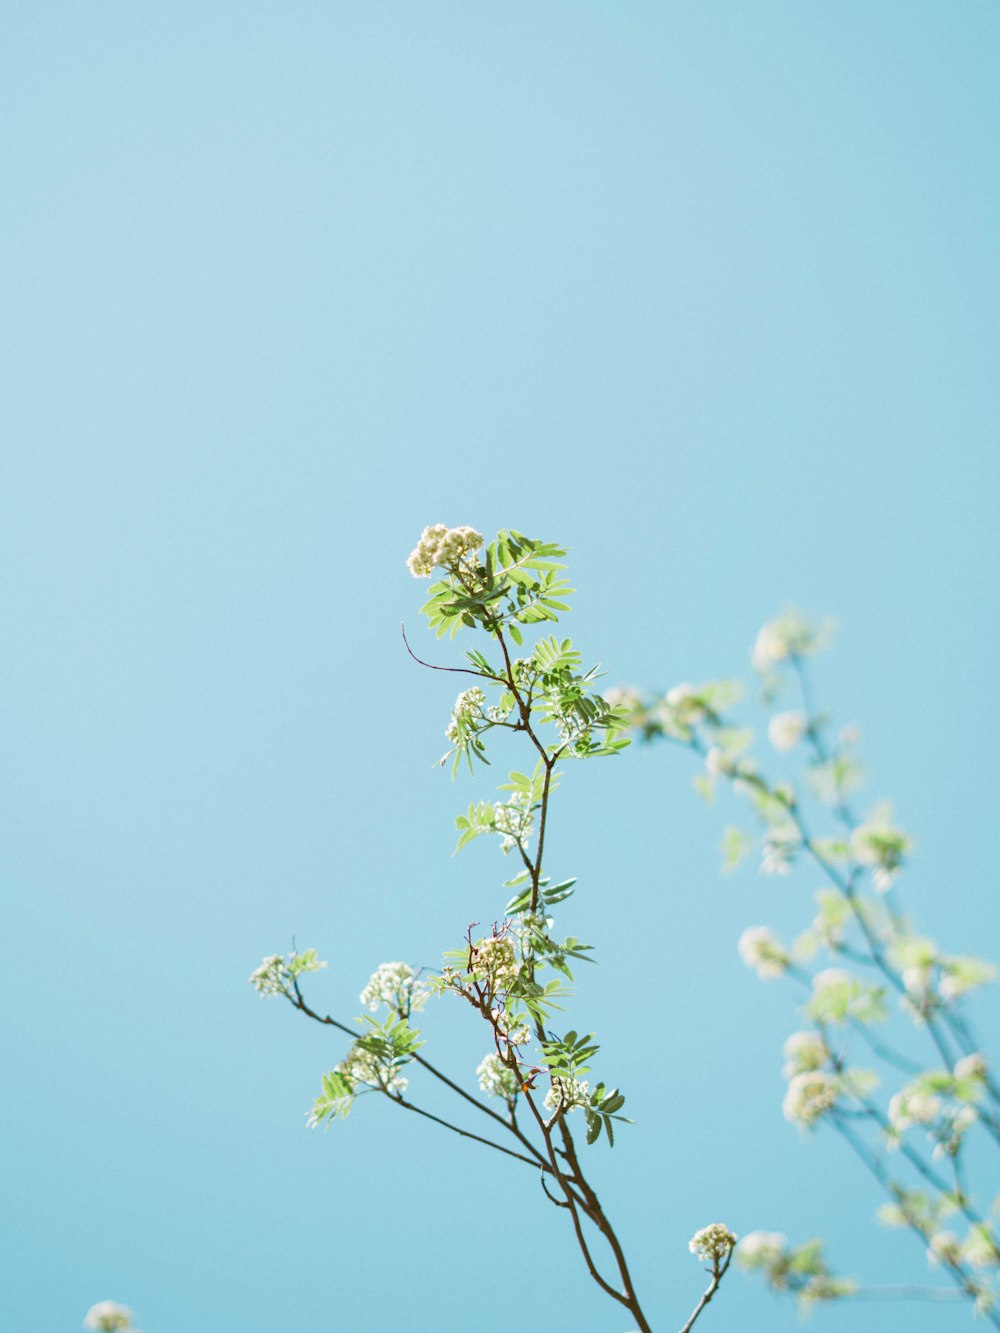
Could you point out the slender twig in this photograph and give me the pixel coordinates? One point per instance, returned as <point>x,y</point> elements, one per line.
<point>718,1272</point>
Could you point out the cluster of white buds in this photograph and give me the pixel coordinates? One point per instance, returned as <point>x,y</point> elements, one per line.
<point>469,707</point>
<point>271,978</point>
<point>361,1066</point>
<point>496,959</point>
<point>495,1079</point>
<point>513,1030</point>
<point>761,949</point>
<point>108,1316</point>
<point>514,820</point>
<point>444,547</point>
<point>278,971</point>
<point>567,1093</point>
<point>397,985</point>
<point>810,1095</point>
<point>785,730</point>
<point>712,1243</point>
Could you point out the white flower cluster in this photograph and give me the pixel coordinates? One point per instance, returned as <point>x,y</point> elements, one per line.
<point>785,730</point>
<point>271,978</point>
<point>944,1247</point>
<point>496,959</point>
<point>913,1106</point>
<point>514,820</point>
<point>277,972</point>
<point>788,636</point>
<point>882,847</point>
<point>761,949</point>
<point>810,1095</point>
<point>712,1243</point>
<point>495,1079</point>
<point>442,546</point>
<point>397,985</point>
<point>624,697</point>
<point>361,1066</point>
<point>762,1249</point>
<point>567,1093</point>
<point>781,843</point>
<point>514,1030</point>
<point>804,1051</point>
<point>972,1066</point>
<point>107,1316</point>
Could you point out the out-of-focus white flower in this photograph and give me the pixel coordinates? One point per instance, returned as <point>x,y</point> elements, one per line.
<point>761,949</point>
<point>804,1052</point>
<point>625,697</point>
<point>882,847</point>
<point>108,1316</point>
<point>568,1094</point>
<point>760,1249</point>
<point>810,1095</point>
<point>961,975</point>
<point>495,1079</point>
<point>944,1247</point>
<point>830,976</point>
<point>785,730</point>
<point>971,1066</point>
<point>718,763</point>
<point>397,985</point>
<point>850,735</point>
<point>712,1243</point>
<point>980,1249</point>
<point>913,1106</point>
<point>442,546</point>
<point>788,636</point>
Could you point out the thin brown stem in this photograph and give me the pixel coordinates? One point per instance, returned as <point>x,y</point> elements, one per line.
<point>718,1272</point>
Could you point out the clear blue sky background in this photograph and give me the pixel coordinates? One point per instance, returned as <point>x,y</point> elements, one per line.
<point>707,292</point>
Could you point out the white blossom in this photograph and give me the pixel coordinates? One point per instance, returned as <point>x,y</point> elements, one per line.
<point>361,1066</point>
<point>944,1247</point>
<point>785,637</point>
<point>495,1079</point>
<point>107,1316</point>
<point>913,1106</point>
<point>760,1249</point>
<point>804,1051</point>
<point>567,1094</point>
<point>442,546</point>
<point>397,985</point>
<point>761,949</point>
<point>971,1066</point>
<point>785,730</point>
<point>495,958</point>
<point>514,820</point>
<point>810,1095</point>
<point>979,1248</point>
<point>881,846</point>
<point>830,976</point>
<point>712,1243</point>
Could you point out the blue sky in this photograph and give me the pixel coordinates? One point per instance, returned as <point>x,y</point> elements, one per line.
<point>707,293</point>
